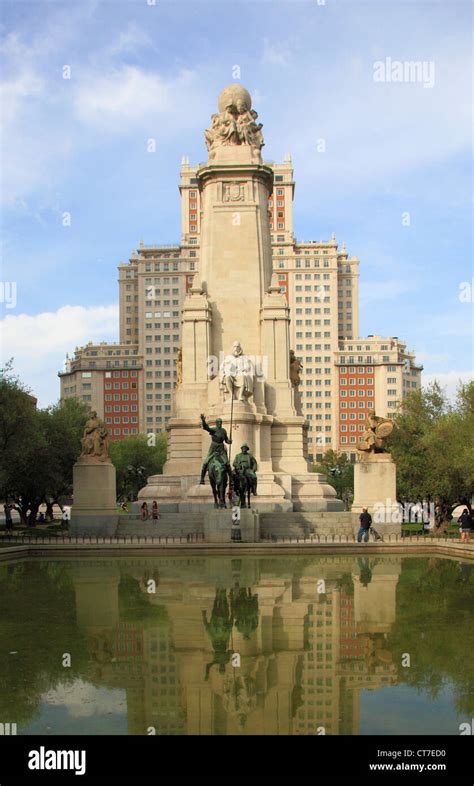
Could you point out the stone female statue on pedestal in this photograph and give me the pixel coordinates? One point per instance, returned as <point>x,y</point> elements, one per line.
<point>95,442</point>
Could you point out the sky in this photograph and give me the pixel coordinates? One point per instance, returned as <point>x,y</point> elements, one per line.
<point>392,177</point>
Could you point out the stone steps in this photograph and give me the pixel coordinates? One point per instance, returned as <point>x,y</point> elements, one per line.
<point>176,524</point>
<point>294,530</point>
<point>279,525</point>
<point>307,517</point>
<point>303,525</point>
<point>165,518</point>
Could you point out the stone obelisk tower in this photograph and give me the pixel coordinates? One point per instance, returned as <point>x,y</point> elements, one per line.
<point>235,334</point>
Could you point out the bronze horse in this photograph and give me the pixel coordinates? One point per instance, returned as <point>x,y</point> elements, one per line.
<point>244,486</point>
<point>218,477</point>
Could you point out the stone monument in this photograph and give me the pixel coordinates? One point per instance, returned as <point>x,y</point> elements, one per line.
<point>375,476</point>
<point>235,358</point>
<point>94,510</point>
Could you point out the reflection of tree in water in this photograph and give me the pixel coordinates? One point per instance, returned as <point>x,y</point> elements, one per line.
<point>154,576</point>
<point>37,604</point>
<point>135,604</point>
<point>219,629</point>
<point>345,583</point>
<point>434,625</point>
<point>244,608</point>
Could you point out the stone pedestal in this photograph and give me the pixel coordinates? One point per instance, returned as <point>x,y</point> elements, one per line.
<point>94,511</point>
<point>218,525</point>
<point>186,495</point>
<point>375,487</point>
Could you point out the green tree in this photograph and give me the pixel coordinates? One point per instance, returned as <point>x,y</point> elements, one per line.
<point>17,414</point>
<point>63,426</point>
<point>433,445</point>
<point>39,447</point>
<point>339,473</point>
<point>434,625</point>
<point>21,443</point>
<point>135,460</point>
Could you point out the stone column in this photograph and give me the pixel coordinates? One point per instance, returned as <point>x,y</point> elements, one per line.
<point>185,433</point>
<point>235,256</point>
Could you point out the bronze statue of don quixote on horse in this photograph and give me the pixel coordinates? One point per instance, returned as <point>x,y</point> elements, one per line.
<point>241,482</point>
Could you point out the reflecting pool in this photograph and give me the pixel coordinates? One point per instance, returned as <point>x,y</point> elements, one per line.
<point>223,645</point>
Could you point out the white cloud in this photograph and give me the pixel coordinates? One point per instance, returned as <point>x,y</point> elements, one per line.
<point>82,700</point>
<point>32,142</point>
<point>127,97</point>
<point>16,92</point>
<point>39,343</point>
<point>449,380</point>
<point>47,121</point>
<point>373,131</point>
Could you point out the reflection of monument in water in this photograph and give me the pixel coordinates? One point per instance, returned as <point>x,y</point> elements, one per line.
<point>235,334</point>
<point>304,654</point>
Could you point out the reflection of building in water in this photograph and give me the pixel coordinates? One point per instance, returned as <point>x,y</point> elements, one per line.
<point>159,691</point>
<point>303,655</point>
<point>345,652</point>
<point>369,619</point>
<point>320,686</point>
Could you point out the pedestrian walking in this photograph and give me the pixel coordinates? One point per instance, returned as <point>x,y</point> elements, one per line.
<point>365,520</point>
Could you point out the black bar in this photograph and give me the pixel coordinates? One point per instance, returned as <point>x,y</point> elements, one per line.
<point>225,760</point>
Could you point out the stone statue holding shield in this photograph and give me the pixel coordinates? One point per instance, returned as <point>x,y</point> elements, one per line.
<point>377,430</point>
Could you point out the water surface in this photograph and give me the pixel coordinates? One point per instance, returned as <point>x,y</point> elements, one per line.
<point>217,645</point>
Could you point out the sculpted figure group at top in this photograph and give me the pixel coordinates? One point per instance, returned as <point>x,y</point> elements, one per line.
<point>234,124</point>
